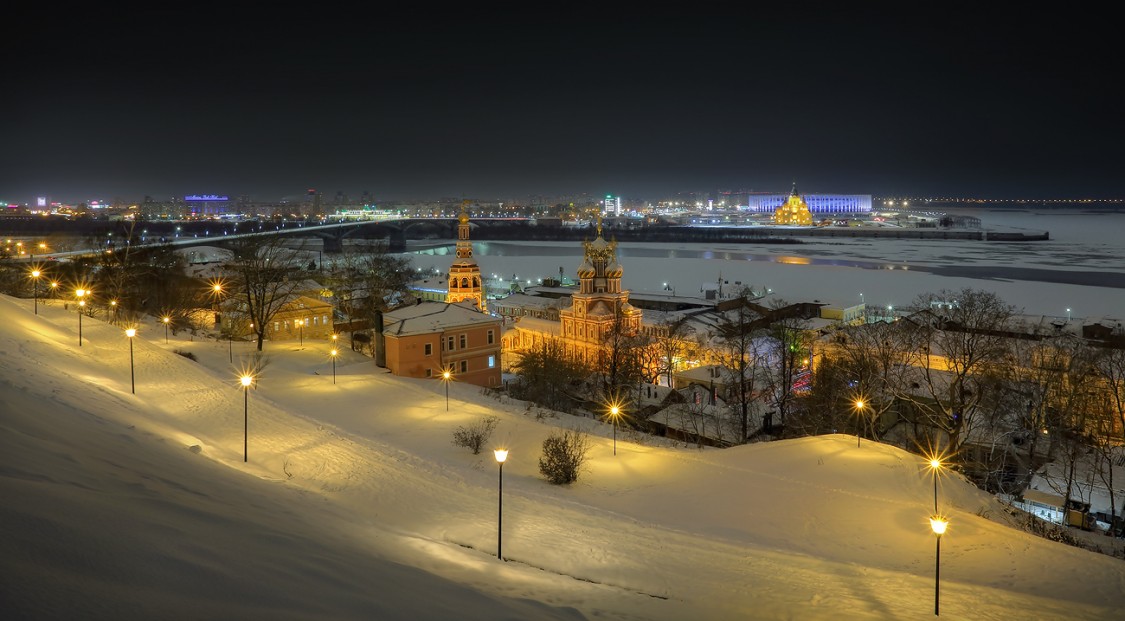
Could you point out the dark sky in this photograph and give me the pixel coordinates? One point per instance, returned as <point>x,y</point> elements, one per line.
<point>484,103</point>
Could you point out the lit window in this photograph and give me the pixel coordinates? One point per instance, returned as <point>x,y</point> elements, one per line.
<point>491,362</point>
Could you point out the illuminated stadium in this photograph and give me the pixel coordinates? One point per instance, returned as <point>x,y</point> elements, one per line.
<point>818,203</point>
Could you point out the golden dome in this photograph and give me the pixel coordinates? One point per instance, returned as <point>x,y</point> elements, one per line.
<point>463,218</point>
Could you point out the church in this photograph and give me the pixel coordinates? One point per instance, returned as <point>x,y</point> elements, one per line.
<point>793,211</point>
<point>598,308</point>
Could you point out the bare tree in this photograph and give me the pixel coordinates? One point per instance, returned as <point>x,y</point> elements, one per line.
<point>549,376</point>
<point>963,337</point>
<point>876,363</point>
<point>261,270</point>
<point>737,352</point>
<point>791,346</point>
<point>1110,367</point>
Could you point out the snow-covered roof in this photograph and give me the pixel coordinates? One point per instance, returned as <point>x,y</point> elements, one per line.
<point>430,317</point>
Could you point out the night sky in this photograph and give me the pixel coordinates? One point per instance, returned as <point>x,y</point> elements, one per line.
<point>490,104</point>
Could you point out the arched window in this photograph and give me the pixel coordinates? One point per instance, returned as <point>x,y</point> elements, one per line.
<point>465,283</point>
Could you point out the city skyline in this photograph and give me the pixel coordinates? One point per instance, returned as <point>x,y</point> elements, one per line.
<point>869,99</point>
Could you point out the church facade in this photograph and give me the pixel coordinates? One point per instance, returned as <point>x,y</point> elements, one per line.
<point>599,308</point>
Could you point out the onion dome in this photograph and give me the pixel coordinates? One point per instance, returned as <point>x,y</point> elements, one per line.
<point>463,218</point>
<point>614,270</point>
<point>586,270</point>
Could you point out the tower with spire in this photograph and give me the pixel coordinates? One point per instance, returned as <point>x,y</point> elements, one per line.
<point>464,273</point>
<point>600,305</point>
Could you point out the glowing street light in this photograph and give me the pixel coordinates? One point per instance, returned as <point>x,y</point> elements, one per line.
<point>246,381</point>
<point>80,293</point>
<point>35,274</point>
<point>501,456</point>
<point>446,377</point>
<point>859,405</point>
<point>335,352</point>
<point>935,468</point>
<point>166,319</point>
<point>938,524</point>
<point>113,305</point>
<point>131,332</point>
<point>614,414</point>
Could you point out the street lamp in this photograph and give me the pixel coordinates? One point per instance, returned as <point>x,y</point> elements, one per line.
<point>935,468</point>
<point>301,324</point>
<point>501,455</point>
<point>859,405</point>
<point>335,353</point>
<point>80,293</point>
<point>35,280</point>
<point>131,332</point>
<point>113,305</point>
<point>166,319</point>
<point>614,414</point>
<point>938,524</point>
<point>446,377</point>
<point>246,381</point>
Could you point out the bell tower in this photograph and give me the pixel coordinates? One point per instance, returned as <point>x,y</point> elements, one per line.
<point>464,274</point>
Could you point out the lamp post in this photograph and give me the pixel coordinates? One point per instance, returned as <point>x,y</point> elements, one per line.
<point>113,305</point>
<point>246,381</point>
<point>230,344</point>
<point>166,319</point>
<point>614,414</point>
<point>35,283</point>
<point>131,332</point>
<point>301,323</point>
<point>859,405</point>
<point>501,455</point>
<point>446,377</point>
<point>335,353</point>
<point>80,293</point>
<point>935,467</point>
<point>938,524</point>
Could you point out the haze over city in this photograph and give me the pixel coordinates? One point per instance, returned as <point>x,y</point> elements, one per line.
<point>502,104</point>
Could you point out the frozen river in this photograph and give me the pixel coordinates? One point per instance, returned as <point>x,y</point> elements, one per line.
<point>1081,268</point>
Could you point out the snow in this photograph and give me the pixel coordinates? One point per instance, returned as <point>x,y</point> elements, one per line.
<point>354,504</point>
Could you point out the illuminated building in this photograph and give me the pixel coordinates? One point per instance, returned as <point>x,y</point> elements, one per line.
<point>598,309</point>
<point>794,211</point>
<point>817,203</point>
<point>204,205</point>
<point>464,274</point>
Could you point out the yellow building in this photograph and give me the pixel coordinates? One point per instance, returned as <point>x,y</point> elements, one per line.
<point>794,211</point>
<point>299,317</point>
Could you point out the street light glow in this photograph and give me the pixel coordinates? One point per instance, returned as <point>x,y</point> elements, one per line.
<point>246,380</point>
<point>501,455</point>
